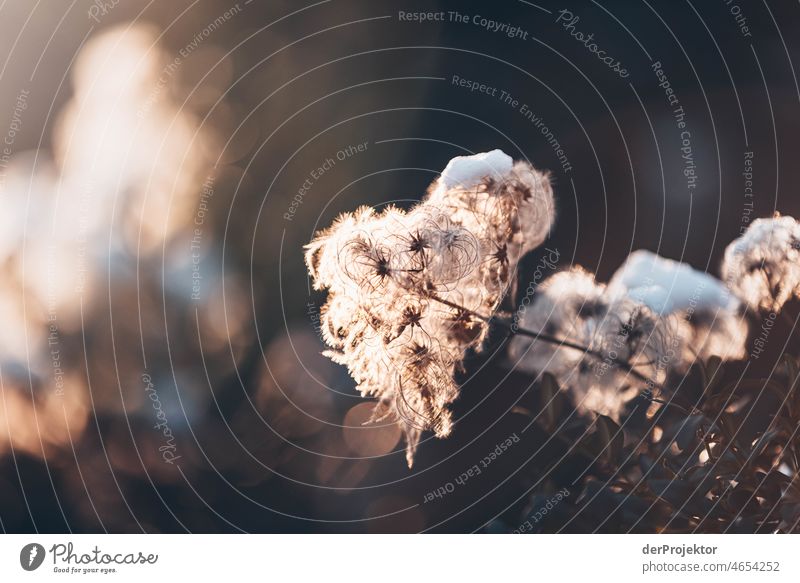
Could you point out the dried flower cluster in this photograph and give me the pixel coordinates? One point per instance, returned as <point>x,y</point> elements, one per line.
<point>710,318</point>
<point>763,265</point>
<point>409,292</point>
<point>612,328</point>
<point>656,316</point>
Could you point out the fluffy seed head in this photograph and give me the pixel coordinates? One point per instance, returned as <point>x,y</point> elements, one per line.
<point>763,265</point>
<point>404,286</point>
<point>573,307</point>
<point>710,317</point>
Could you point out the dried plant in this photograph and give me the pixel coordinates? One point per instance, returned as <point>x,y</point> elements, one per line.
<point>611,329</point>
<point>653,319</point>
<point>763,265</point>
<point>711,318</point>
<point>409,292</point>
<point>727,459</point>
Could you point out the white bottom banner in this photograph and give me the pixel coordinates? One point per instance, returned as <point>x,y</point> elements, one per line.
<point>354,558</point>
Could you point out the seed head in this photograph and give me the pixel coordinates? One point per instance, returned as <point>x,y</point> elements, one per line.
<point>404,287</point>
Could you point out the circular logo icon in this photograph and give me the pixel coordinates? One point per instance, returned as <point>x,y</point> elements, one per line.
<point>31,556</point>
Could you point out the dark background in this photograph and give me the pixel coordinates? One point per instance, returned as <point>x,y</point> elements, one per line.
<point>266,427</point>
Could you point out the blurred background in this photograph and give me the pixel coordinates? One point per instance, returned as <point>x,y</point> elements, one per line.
<point>162,165</point>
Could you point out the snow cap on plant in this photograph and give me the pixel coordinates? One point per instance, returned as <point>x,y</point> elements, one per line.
<point>763,265</point>
<point>656,315</point>
<point>404,287</point>
<point>710,317</point>
<point>575,308</point>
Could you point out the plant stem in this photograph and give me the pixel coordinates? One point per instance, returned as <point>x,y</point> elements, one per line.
<point>671,403</point>
<point>561,342</point>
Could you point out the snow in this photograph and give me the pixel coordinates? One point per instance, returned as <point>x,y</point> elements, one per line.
<point>467,171</point>
<point>654,297</point>
<point>664,284</point>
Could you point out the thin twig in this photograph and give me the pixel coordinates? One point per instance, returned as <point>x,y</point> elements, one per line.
<point>561,342</point>
<point>672,403</point>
